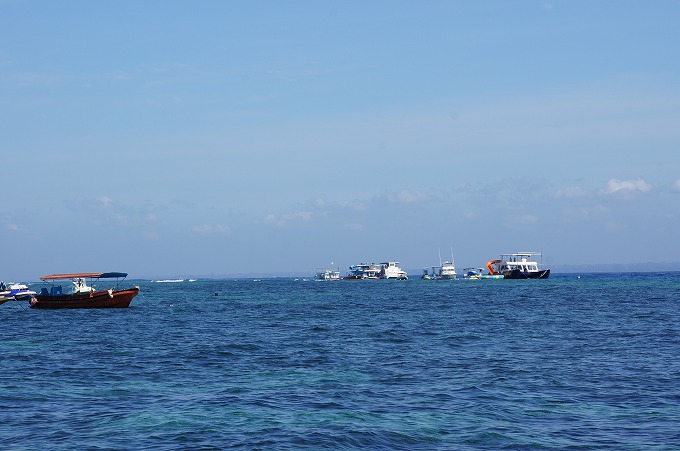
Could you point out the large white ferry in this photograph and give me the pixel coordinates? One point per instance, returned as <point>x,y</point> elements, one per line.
<point>391,270</point>
<point>518,266</point>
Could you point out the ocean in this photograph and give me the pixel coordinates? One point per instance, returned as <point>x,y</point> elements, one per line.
<point>577,361</point>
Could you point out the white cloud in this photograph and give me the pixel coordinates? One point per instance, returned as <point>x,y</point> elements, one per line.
<point>407,197</point>
<point>13,227</point>
<point>356,205</point>
<point>597,211</point>
<point>206,229</point>
<point>123,219</point>
<point>354,226</point>
<point>571,192</point>
<point>676,186</point>
<point>524,219</point>
<point>615,226</point>
<point>105,201</point>
<point>615,186</point>
<point>282,220</point>
<point>470,214</point>
<point>586,213</point>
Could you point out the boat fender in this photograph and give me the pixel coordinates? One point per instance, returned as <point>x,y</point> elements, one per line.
<point>110,290</point>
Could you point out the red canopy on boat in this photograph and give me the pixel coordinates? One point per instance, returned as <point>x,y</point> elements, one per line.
<point>85,275</point>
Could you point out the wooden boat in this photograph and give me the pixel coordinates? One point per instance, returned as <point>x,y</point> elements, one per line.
<point>82,295</point>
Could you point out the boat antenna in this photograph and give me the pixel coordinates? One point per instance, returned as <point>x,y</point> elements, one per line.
<point>440,256</point>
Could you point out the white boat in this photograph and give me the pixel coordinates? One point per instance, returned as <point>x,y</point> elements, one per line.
<point>327,274</point>
<point>446,270</point>
<point>391,270</point>
<point>518,266</point>
<point>15,292</point>
<point>363,271</point>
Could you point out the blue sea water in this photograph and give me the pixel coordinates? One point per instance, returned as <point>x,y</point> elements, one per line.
<point>589,361</point>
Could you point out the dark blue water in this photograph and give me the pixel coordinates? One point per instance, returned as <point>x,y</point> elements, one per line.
<point>574,363</point>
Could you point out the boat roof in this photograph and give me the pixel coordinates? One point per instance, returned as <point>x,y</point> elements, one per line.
<point>521,254</point>
<point>85,275</point>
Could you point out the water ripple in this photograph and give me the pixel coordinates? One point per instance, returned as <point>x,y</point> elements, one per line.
<point>563,363</point>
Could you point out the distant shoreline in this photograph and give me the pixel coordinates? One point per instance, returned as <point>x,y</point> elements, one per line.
<point>617,267</point>
<point>416,273</point>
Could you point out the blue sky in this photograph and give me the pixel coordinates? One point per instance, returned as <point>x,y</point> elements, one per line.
<point>177,138</point>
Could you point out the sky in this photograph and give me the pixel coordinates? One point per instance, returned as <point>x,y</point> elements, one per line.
<point>178,138</point>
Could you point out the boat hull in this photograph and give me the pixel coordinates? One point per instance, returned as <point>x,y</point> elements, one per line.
<point>517,274</point>
<point>98,299</point>
<point>25,296</point>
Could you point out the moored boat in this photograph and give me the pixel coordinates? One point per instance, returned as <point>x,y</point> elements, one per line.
<point>83,295</point>
<point>472,273</point>
<point>363,271</point>
<point>327,274</point>
<point>477,274</point>
<point>446,270</point>
<point>21,292</point>
<point>518,266</point>
<point>391,270</point>
<point>15,292</point>
<point>429,274</point>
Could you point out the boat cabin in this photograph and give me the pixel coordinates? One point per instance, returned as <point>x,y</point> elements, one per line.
<point>520,261</point>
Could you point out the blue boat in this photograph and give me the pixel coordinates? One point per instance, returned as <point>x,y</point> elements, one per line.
<point>15,292</point>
